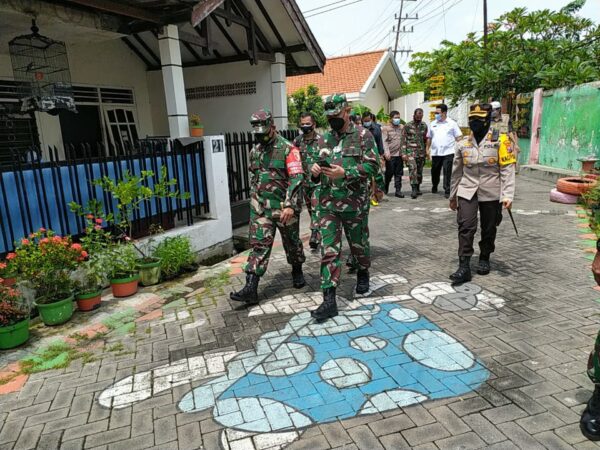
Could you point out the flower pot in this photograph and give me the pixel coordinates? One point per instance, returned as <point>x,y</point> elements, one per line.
<point>89,301</point>
<point>124,287</point>
<point>196,132</point>
<point>150,273</point>
<point>14,335</point>
<point>9,281</point>
<point>57,312</point>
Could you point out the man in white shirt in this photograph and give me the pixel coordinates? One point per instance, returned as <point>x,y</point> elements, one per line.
<point>442,137</point>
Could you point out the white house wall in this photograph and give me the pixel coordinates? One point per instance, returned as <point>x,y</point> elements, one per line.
<point>218,114</point>
<point>109,64</point>
<point>377,97</point>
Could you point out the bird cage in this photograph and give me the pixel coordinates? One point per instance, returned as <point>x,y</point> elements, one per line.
<point>41,66</point>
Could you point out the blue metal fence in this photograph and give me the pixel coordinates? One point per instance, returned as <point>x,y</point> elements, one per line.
<point>36,195</point>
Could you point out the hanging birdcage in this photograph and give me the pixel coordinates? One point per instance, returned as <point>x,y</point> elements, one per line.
<point>42,67</point>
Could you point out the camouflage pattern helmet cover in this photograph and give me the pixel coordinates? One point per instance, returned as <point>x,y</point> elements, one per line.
<point>334,104</point>
<point>261,121</point>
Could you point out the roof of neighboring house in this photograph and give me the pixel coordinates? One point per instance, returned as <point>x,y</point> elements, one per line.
<point>343,74</point>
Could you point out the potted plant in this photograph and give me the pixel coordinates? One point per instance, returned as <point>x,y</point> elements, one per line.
<point>89,278</point>
<point>176,255</point>
<point>196,127</point>
<point>123,270</point>
<point>8,270</point>
<point>46,260</point>
<point>149,266</point>
<point>14,318</point>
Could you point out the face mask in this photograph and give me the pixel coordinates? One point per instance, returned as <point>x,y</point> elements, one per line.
<point>262,138</point>
<point>396,121</point>
<point>438,117</point>
<point>306,129</point>
<point>367,124</point>
<point>336,123</point>
<point>479,127</point>
<point>496,114</point>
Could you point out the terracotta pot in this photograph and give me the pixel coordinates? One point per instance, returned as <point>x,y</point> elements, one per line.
<point>89,301</point>
<point>124,287</point>
<point>196,132</point>
<point>596,264</point>
<point>10,281</point>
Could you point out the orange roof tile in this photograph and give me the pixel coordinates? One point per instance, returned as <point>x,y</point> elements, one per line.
<point>343,74</point>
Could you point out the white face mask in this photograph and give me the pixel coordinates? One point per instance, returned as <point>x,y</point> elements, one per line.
<point>367,124</point>
<point>396,121</point>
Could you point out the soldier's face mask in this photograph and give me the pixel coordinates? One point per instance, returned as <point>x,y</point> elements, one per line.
<point>306,128</point>
<point>262,132</point>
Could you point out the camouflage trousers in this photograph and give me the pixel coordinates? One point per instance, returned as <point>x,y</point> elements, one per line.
<point>593,367</point>
<point>415,170</point>
<point>356,226</point>
<point>310,200</point>
<point>262,235</point>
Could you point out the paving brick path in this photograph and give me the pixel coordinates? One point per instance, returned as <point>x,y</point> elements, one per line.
<point>498,363</point>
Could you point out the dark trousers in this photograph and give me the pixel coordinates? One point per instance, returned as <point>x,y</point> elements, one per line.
<point>437,164</point>
<point>394,168</point>
<point>490,214</point>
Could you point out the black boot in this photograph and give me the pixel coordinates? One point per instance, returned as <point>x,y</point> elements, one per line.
<point>350,264</point>
<point>590,418</point>
<point>249,293</point>
<point>328,308</point>
<point>399,194</point>
<point>314,239</point>
<point>414,193</point>
<point>298,276</point>
<point>419,190</point>
<point>362,282</point>
<point>463,274</point>
<point>484,265</point>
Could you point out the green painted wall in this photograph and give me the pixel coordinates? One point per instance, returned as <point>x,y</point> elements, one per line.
<point>570,126</point>
<point>525,146</point>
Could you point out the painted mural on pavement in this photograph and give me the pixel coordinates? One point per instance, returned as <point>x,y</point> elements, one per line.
<point>377,355</point>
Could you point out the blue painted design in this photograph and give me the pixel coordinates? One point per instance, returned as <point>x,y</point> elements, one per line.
<point>433,365</point>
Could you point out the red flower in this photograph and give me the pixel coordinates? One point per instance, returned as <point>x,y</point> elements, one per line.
<point>76,246</point>
<point>97,227</point>
<point>25,241</point>
<point>44,241</point>
<point>89,216</point>
<point>84,254</point>
<point>11,256</point>
<point>127,238</point>
<point>42,230</point>
<point>99,221</point>
<point>2,266</point>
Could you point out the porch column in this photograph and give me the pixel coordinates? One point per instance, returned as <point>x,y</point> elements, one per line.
<point>172,72</point>
<point>278,89</point>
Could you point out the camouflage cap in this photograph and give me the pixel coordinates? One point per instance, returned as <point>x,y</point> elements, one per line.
<point>261,120</point>
<point>334,104</point>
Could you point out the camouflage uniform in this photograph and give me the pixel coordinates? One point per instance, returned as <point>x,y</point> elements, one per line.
<point>414,136</point>
<point>309,151</point>
<point>343,203</point>
<point>276,183</point>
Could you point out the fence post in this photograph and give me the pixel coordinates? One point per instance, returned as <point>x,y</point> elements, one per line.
<point>217,184</point>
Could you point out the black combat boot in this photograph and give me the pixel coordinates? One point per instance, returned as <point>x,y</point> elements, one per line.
<point>419,190</point>
<point>463,274</point>
<point>350,264</point>
<point>328,308</point>
<point>414,193</point>
<point>590,418</point>
<point>484,265</point>
<point>298,276</point>
<point>399,194</point>
<point>249,293</point>
<point>362,282</point>
<point>314,239</point>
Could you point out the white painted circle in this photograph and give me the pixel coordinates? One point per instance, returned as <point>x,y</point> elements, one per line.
<point>345,372</point>
<point>404,315</point>
<point>437,350</point>
<point>368,343</point>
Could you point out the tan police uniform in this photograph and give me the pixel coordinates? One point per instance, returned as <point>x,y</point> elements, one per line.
<point>482,177</point>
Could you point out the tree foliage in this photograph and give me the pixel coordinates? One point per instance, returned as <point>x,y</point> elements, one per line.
<point>526,50</point>
<point>306,100</point>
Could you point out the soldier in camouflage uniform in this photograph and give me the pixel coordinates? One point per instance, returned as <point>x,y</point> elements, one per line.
<point>414,145</point>
<point>343,172</point>
<point>276,184</point>
<point>309,143</point>
<point>590,418</point>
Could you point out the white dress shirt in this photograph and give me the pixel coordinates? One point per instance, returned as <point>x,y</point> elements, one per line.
<point>443,134</point>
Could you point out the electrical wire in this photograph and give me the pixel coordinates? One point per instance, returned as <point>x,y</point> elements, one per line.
<point>333,9</point>
<point>475,16</point>
<point>323,6</point>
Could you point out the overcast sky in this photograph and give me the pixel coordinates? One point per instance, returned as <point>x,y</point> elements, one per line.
<point>363,25</point>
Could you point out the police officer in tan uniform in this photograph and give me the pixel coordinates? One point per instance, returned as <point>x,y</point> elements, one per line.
<point>483,179</point>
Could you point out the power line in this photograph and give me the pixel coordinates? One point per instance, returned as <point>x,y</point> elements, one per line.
<point>333,9</point>
<point>324,6</point>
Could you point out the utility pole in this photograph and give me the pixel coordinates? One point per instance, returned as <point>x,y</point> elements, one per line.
<point>485,25</point>
<point>403,30</point>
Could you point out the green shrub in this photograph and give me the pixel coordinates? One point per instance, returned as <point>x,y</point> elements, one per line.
<point>175,255</point>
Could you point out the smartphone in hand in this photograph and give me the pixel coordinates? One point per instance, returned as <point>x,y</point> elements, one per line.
<point>324,163</point>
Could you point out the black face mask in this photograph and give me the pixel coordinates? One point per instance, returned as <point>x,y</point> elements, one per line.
<point>307,129</point>
<point>479,127</point>
<point>262,138</point>
<point>336,123</point>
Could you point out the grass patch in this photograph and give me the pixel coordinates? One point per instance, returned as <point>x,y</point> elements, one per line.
<point>8,379</point>
<point>119,319</point>
<point>57,355</point>
<point>118,347</point>
<point>217,281</point>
